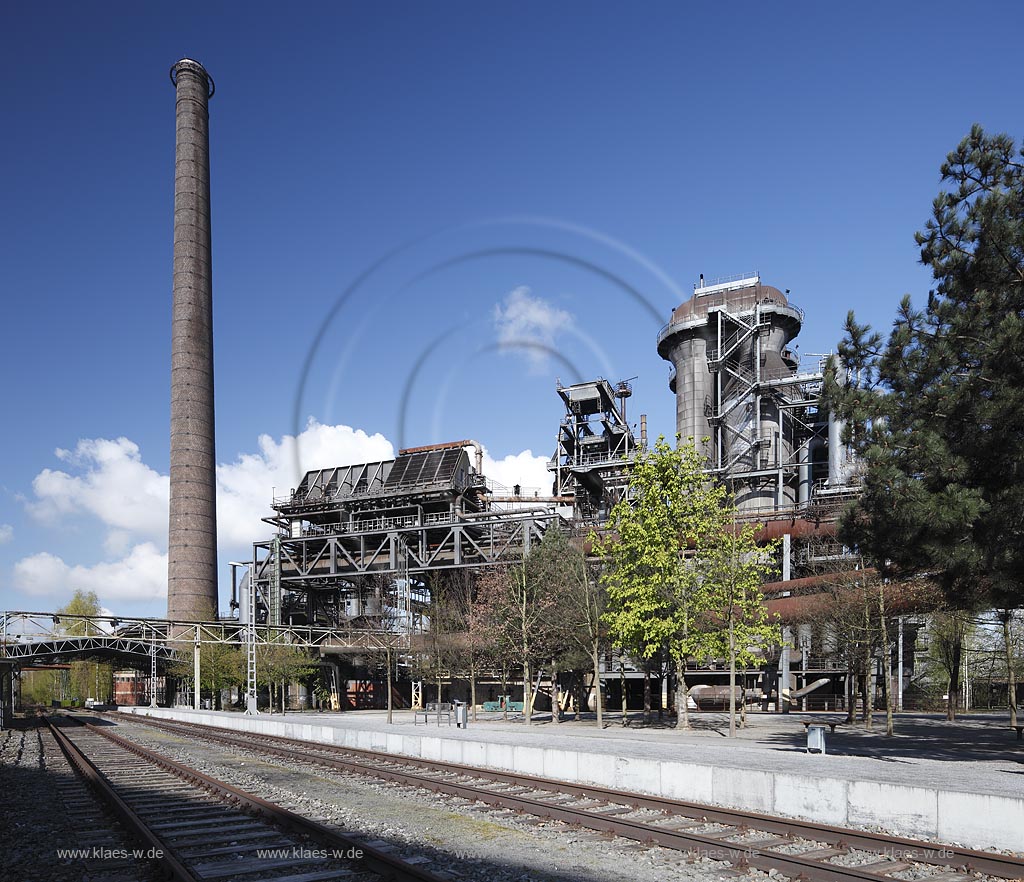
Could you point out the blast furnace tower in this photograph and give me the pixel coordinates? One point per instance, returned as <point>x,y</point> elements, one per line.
<point>192,533</point>
<point>739,385</point>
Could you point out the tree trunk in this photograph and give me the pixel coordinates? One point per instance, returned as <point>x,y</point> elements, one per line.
<point>556,715</point>
<point>598,703</point>
<point>732,677</point>
<point>886,657</point>
<point>869,666</point>
<point>1011,679</point>
<point>472,687</point>
<point>743,700</point>
<point>622,685</point>
<point>953,702</point>
<point>682,696</point>
<point>504,691</point>
<point>851,688</point>
<point>647,692</point>
<point>527,690</point>
<point>390,689</point>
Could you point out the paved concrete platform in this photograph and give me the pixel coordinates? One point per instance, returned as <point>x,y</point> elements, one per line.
<point>957,782</point>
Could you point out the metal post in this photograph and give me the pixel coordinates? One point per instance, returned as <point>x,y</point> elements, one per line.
<point>787,639</point>
<point>152,669</point>
<point>899,665</point>
<point>250,649</point>
<point>787,636</point>
<point>195,671</point>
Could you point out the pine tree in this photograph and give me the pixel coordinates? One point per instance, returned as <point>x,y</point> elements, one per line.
<point>937,410</point>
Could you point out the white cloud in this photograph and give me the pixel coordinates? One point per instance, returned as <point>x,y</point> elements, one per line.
<point>117,542</point>
<point>140,575</point>
<point>529,325</point>
<point>115,486</point>
<point>245,486</point>
<point>6,533</point>
<point>129,499</point>
<point>528,471</point>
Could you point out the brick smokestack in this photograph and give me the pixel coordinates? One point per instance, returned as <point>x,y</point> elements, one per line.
<point>192,534</point>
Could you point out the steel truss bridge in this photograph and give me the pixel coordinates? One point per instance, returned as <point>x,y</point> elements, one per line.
<point>33,638</point>
<point>44,637</point>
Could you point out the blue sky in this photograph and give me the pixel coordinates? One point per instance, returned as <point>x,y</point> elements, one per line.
<point>557,175</point>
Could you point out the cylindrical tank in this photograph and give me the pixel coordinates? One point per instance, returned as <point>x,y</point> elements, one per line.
<point>717,363</point>
<point>837,472</point>
<point>192,534</point>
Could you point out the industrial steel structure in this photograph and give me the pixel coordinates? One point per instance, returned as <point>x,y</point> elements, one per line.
<point>739,385</point>
<point>356,549</point>
<point>596,449</point>
<point>348,531</point>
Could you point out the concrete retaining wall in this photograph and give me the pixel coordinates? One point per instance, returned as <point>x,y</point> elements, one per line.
<point>966,819</point>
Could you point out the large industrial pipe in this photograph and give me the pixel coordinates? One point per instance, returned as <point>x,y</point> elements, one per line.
<point>192,533</point>
<point>836,449</point>
<point>806,471</point>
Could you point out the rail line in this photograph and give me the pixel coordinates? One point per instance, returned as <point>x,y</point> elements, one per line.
<point>797,848</point>
<point>199,828</point>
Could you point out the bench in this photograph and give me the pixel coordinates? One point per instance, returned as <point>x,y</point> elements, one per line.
<point>831,724</point>
<point>433,709</point>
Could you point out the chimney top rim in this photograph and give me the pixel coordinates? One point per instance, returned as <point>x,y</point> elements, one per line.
<point>195,67</point>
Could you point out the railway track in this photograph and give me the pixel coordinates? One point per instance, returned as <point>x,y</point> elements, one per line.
<point>795,848</point>
<point>198,828</point>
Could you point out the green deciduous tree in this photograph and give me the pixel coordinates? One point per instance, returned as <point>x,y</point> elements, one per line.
<point>649,587</point>
<point>937,409</point>
<point>83,679</point>
<point>731,619</point>
<point>678,572</point>
<point>278,664</point>
<point>82,603</point>
<point>221,666</point>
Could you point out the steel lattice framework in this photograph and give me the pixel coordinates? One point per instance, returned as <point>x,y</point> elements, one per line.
<point>403,520</point>
<point>37,637</point>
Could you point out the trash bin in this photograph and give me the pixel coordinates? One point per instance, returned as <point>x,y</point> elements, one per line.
<point>461,714</point>
<point>816,739</point>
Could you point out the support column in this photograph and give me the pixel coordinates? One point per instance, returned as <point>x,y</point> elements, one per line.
<point>195,671</point>
<point>787,634</point>
<point>899,665</point>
